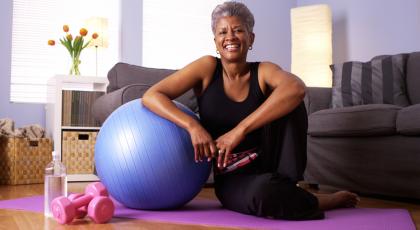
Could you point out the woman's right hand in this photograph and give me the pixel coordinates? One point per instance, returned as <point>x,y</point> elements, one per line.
<point>202,142</point>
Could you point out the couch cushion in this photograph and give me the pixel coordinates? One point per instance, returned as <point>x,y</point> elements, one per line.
<point>379,81</point>
<point>362,120</point>
<point>123,74</point>
<point>413,77</point>
<point>408,120</point>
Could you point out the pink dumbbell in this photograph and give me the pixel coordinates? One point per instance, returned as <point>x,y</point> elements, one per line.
<point>100,206</point>
<point>82,211</point>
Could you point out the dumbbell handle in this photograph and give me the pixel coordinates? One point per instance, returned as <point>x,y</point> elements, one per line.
<point>82,200</point>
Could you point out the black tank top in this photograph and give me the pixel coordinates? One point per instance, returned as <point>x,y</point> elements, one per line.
<point>219,113</point>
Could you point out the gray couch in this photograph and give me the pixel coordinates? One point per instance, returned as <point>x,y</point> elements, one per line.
<point>128,82</point>
<point>371,149</point>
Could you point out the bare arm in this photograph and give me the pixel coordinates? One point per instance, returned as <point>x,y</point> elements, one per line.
<point>159,100</point>
<point>286,93</point>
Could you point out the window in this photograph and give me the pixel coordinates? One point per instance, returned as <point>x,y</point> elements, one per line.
<point>176,32</point>
<point>34,62</point>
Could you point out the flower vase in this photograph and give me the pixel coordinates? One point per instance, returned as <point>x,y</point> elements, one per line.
<point>74,69</point>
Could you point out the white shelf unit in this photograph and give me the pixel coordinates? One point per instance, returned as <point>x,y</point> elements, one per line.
<point>54,126</point>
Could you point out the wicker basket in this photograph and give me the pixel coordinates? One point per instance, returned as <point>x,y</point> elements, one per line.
<point>77,151</point>
<point>23,161</point>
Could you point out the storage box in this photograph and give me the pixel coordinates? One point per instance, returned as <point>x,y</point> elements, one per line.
<point>77,151</point>
<point>23,161</point>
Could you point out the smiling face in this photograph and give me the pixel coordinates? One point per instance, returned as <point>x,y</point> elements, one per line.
<point>232,38</point>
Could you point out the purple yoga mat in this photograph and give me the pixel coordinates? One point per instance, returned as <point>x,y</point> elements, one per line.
<point>209,212</point>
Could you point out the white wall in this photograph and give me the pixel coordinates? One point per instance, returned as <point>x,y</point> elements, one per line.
<point>131,37</point>
<point>363,29</point>
<point>272,31</point>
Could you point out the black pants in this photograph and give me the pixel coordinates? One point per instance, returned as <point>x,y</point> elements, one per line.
<point>267,186</point>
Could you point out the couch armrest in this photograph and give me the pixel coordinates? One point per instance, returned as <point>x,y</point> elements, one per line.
<point>317,98</point>
<point>109,102</point>
<point>123,74</point>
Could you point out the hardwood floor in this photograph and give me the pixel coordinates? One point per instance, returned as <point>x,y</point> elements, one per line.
<point>10,219</point>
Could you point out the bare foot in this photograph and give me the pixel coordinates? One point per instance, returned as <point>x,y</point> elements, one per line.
<point>340,199</point>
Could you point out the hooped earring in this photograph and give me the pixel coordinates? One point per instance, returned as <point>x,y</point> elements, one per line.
<point>250,48</point>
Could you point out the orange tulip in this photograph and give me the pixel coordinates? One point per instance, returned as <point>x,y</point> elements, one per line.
<point>74,46</point>
<point>83,32</point>
<point>66,28</point>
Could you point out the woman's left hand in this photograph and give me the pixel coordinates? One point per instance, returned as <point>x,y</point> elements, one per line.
<point>226,143</point>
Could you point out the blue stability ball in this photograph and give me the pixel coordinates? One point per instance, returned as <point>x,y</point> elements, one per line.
<point>147,162</point>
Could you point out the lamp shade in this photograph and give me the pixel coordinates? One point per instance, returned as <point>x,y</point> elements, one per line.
<point>312,44</point>
<point>100,26</point>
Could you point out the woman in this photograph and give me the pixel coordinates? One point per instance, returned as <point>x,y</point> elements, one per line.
<point>250,111</point>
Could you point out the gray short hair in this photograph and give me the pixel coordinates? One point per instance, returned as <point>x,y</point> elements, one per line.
<point>232,8</point>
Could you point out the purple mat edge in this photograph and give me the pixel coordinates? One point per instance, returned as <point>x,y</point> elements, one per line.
<point>199,208</point>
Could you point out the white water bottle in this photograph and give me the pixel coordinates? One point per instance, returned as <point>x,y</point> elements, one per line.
<point>55,183</point>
